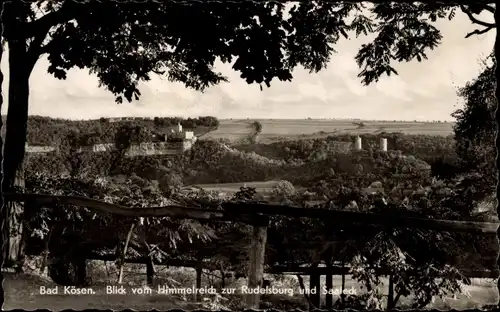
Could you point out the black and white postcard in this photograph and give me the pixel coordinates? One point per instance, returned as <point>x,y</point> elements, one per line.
<point>207,155</point>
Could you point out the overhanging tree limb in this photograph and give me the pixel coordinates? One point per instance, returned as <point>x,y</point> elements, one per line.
<point>479,32</point>
<point>66,12</point>
<point>474,19</point>
<point>489,8</point>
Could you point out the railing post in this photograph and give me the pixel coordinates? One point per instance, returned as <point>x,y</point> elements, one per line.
<point>329,287</point>
<point>390,294</point>
<point>199,273</point>
<point>315,290</point>
<point>150,272</point>
<point>256,260</point>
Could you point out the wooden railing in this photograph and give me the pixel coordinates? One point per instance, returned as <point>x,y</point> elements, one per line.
<point>277,269</point>
<point>258,215</point>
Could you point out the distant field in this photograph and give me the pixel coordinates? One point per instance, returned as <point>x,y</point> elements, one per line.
<point>236,130</point>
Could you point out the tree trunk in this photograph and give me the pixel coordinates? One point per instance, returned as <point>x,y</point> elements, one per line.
<point>17,114</point>
<point>15,140</point>
<point>17,237</point>
<point>4,216</point>
<point>396,300</point>
<point>497,71</point>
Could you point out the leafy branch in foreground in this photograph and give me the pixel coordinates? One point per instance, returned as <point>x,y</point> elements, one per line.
<point>405,31</point>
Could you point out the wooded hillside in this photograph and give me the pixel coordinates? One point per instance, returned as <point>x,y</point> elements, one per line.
<point>51,131</point>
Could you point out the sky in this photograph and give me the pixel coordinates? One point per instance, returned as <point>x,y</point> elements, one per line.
<point>421,91</point>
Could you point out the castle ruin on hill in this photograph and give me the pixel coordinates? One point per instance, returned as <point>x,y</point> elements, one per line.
<point>183,141</point>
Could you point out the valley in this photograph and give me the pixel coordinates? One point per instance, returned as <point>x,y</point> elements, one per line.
<point>333,165</point>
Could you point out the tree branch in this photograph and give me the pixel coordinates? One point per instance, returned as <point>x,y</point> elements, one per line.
<point>35,48</point>
<point>303,287</point>
<point>476,8</point>
<point>398,295</point>
<point>479,32</point>
<point>489,8</point>
<point>66,13</point>
<point>475,20</point>
<point>124,253</point>
<point>45,48</point>
<point>489,26</point>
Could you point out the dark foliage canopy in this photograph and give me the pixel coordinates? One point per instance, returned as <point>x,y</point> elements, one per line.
<point>476,127</point>
<point>476,121</point>
<point>267,40</point>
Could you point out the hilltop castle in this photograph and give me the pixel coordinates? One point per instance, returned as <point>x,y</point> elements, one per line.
<point>175,142</point>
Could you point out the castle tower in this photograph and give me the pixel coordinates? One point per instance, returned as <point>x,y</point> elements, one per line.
<point>383,144</point>
<point>357,144</point>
